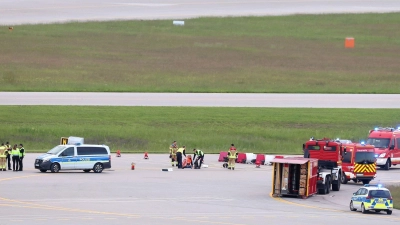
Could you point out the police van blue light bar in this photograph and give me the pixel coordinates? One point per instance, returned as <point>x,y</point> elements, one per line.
<point>373,185</point>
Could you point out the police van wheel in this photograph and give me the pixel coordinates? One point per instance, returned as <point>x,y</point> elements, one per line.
<point>43,171</point>
<point>86,171</point>
<point>98,168</point>
<point>55,168</point>
<point>363,209</point>
<point>389,212</point>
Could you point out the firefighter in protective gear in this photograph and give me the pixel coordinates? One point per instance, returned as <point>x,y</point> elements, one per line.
<point>232,156</point>
<point>173,148</point>
<point>200,158</point>
<point>3,157</point>
<point>15,157</point>
<point>21,157</point>
<point>179,153</point>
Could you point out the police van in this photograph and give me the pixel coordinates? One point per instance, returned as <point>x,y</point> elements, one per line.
<point>75,156</point>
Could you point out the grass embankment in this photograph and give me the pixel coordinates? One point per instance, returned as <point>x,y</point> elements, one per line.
<point>395,191</point>
<point>301,53</point>
<point>152,129</point>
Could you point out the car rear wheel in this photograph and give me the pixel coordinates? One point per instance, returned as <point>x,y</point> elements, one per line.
<point>363,209</point>
<point>352,206</point>
<point>389,212</point>
<point>98,168</point>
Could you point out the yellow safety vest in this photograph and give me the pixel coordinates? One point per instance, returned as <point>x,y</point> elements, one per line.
<point>180,150</point>
<point>20,153</point>
<point>15,152</point>
<point>232,153</point>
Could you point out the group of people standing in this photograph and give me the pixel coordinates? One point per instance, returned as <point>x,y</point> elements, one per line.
<point>15,154</point>
<point>175,154</point>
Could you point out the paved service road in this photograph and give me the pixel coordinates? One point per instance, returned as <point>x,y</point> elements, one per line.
<point>14,12</point>
<point>147,195</point>
<point>206,100</point>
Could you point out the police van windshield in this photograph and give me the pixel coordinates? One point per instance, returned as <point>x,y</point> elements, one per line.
<point>365,157</point>
<point>56,150</point>
<point>379,142</point>
<point>379,194</point>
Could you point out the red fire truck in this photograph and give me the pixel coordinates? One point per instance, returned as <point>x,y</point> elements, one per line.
<point>329,154</point>
<point>387,146</point>
<point>359,163</point>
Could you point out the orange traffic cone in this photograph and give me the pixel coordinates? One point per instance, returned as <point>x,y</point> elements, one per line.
<point>146,156</point>
<point>133,166</point>
<point>118,153</point>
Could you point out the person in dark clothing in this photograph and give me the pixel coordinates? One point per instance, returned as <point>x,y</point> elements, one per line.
<point>21,157</point>
<point>200,158</point>
<point>8,155</point>
<point>179,153</point>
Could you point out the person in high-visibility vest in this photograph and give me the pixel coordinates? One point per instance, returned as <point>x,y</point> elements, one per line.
<point>172,153</point>
<point>232,156</point>
<point>179,153</point>
<point>3,157</point>
<point>200,158</point>
<point>21,157</point>
<point>15,157</point>
<point>8,155</point>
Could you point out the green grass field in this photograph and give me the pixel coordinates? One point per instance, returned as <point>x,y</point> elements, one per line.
<point>395,191</point>
<point>152,129</point>
<point>298,54</point>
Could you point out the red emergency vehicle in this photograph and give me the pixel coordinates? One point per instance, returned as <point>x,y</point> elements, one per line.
<point>329,154</point>
<point>387,146</point>
<point>358,163</point>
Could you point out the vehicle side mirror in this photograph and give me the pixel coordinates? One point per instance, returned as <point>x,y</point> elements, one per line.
<point>354,193</point>
<point>391,147</point>
<point>345,151</point>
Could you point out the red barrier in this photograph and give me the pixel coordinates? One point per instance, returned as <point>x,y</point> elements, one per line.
<point>260,159</point>
<point>241,158</point>
<point>222,156</point>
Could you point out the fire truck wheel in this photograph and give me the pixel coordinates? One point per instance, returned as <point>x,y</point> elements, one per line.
<point>352,207</point>
<point>365,181</point>
<point>343,179</point>
<point>328,185</point>
<point>387,165</point>
<point>336,184</point>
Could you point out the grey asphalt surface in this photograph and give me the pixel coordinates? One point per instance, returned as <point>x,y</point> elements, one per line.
<point>13,12</point>
<point>147,195</point>
<point>205,99</point>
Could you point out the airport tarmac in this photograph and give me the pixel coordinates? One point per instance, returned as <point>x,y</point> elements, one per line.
<point>147,195</point>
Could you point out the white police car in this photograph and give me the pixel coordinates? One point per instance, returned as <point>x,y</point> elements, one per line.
<point>372,198</point>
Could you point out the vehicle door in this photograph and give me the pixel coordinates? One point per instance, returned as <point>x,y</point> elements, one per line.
<point>347,162</point>
<point>357,198</point>
<point>396,152</point>
<point>68,159</point>
<point>84,160</point>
